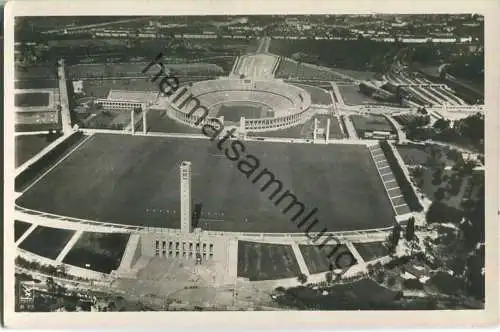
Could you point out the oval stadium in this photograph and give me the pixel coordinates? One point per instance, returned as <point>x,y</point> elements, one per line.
<point>264,105</point>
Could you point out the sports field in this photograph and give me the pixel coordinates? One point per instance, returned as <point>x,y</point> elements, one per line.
<point>28,146</point>
<point>289,68</point>
<point>19,228</point>
<point>374,122</point>
<point>37,121</point>
<point>102,251</point>
<point>38,83</point>
<point>265,261</point>
<point>135,180</point>
<point>158,121</point>
<point>352,96</point>
<point>317,259</point>
<point>371,250</point>
<point>318,95</point>
<point>31,99</point>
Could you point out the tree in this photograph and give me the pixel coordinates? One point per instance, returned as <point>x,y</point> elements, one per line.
<point>302,278</point>
<point>436,178</point>
<point>474,227</point>
<point>393,238</point>
<point>380,276</point>
<point>441,124</point>
<point>439,194</point>
<point>329,277</point>
<point>410,229</point>
<point>441,213</point>
<point>70,302</point>
<point>475,281</point>
<point>51,285</point>
<point>61,269</point>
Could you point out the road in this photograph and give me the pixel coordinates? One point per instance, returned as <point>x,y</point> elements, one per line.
<point>97,25</point>
<point>63,92</point>
<point>264,44</point>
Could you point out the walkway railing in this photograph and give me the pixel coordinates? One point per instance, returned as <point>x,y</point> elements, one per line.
<point>48,218</point>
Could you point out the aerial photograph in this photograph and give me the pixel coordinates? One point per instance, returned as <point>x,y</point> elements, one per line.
<point>249,163</point>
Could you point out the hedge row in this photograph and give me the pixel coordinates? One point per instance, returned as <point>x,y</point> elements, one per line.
<point>405,186</point>
<point>34,170</point>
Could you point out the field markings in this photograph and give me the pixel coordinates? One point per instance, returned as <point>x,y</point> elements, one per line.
<point>400,205</point>
<point>57,163</point>
<point>395,187</point>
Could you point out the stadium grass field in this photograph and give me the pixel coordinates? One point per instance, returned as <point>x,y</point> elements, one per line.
<point>234,111</point>
<point>134,180</point>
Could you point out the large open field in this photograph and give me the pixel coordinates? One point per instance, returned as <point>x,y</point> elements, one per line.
<point>317,259</point>
<point>158,121</point>
<point>36,83</point>
<point>359,55</point>
<point>318,95</point>
<point>19,228</point>
<point>135,180</point>
<point>28,146</point>
<point>374,122</point>
<point>30,99</point>
<point>37,121</point>
<point>37,241</point>
<point>265,261</point>
<point>289,68</point>
<point>352,96</point>
<point>103,251</point>
<point>371,250</point>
